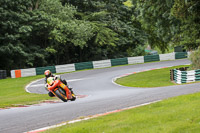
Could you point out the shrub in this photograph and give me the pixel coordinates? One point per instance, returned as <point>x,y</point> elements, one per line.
<point>195,59</point>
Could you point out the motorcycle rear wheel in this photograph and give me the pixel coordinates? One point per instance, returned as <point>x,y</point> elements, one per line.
<point>60,95</point>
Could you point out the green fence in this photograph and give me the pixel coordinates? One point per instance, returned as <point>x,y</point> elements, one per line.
<point>119,61</point>
<point>40,70</point>
<point>197,75</point>
<point>181,55</point>
<point>150,58</point>
<point>83,65</point>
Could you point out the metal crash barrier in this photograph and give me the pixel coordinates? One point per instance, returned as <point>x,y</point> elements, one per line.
<point>3,74</point>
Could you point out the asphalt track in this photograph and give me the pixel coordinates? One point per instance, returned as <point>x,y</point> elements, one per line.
<point>101,96</point>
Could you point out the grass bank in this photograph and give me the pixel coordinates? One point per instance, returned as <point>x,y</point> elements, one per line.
<point>174,115</point>
<point>153,78</point>
<point>178,114</point>
<point>12,92</point>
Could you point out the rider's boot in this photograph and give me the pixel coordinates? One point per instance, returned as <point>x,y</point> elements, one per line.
<point>73,95</point>
<point>71,90</point>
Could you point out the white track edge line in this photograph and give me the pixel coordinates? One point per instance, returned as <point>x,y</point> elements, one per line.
<point>26,88</point>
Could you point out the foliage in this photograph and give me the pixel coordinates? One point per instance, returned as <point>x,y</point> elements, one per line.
<point>114,27</point>
<point>14,18</point>
<point>128,3</point>
<point>47,32</point>
<point>195,59</point>
<point>170,22</point>
<point>188,12</point>
<point>138,51</point>
<point>157,21</point>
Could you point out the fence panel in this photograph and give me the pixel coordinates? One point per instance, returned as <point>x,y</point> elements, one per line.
<point>3,74</point>
<point>40,70</point>
<point>83,65</point>
<point>28,72</point>
<point>181,55</point>
<point>135,60</point>
<point>65,68</point>
<point>119,61</point>
<point>170,56</point>
<point>102,63</point>
<point>150,58</point>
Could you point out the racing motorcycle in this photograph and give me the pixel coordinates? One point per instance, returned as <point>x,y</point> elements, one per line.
<point>59,89</point>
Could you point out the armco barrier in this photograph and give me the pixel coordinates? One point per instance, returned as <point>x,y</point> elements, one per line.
<point>181,55</point>
<point>83,65</point>
<point>186,76</point>
<point>3,74</point>
<point>170,56</point>
<point>16,73</point>
<point>135,60</point>
<point>102,63</point>
<point>150,58</point>
<point>65,68</point>
<point>97,64</point>
<point>197,75</point>
<point>12,73</point>
<point>40,70</point>
<point>28,72</point>
<point>119,61</point>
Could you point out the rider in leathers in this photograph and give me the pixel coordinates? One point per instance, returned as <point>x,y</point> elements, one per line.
<point>48,74</point>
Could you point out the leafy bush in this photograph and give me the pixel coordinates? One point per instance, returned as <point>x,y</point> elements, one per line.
<point>195,59</point>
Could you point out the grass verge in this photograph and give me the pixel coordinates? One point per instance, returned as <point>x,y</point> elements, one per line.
<point>13,93</point>
<point>179,114</point>
<point>153,78</point>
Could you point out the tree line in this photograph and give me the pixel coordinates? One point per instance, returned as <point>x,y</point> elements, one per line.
<point>35,33</point>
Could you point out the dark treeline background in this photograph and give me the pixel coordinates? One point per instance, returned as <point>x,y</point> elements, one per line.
<point>36,33</point>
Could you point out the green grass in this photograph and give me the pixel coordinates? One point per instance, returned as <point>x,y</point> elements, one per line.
<point>154,78</point>
<point>12,92</point>
<point>174,115</point>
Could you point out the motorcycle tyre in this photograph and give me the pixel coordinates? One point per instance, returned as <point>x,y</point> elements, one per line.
<point>59,95</point>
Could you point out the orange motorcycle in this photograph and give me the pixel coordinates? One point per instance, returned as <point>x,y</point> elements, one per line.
<point>60,90</point>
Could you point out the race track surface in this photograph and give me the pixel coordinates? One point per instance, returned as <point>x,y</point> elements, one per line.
<point>101,96</point>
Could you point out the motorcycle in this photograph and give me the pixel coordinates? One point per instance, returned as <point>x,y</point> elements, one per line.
<point>59,89</point>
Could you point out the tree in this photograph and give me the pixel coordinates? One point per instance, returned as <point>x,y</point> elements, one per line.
<point>195,59</point>
<point>114,29</point>
<point>67,31</point>
<point>38,33</point>
<point>188,13</point>
<point>157,21</point>
<point>48,32</point>
<point>14,17</point>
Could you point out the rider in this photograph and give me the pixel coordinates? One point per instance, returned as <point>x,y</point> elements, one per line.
<point>48,74</point>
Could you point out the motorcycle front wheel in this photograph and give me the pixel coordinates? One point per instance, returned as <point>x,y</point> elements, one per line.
<point>59,94</point>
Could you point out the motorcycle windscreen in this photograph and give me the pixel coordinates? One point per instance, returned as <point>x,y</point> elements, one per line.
<point>50,80</point>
